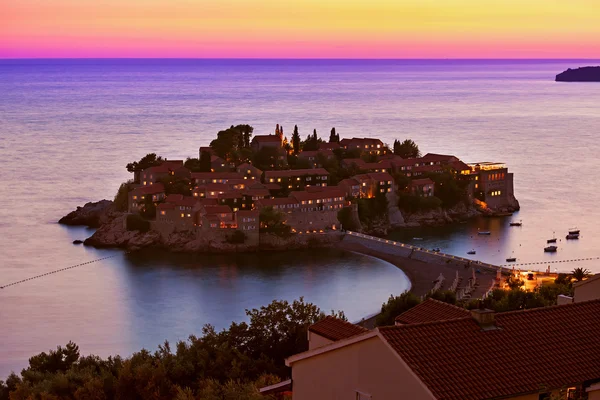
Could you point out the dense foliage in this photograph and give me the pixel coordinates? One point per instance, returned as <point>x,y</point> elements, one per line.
<point>230,364</point>
<point>121,200</point>
<point>346,219</point>
<point>136,223</point>
<point>237,237</point>
<point>406,149</point>
<point>149,160</point>
<point>448,189</point>
<point>232,140</point>
<point>372,209</point>
<point>499,300</point>
<point>296,140</point>
<point>412,203</point>
<point>199,165</point>
<point>273,221</point>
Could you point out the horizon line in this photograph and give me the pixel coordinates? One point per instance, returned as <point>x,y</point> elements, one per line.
<point>306,58</point>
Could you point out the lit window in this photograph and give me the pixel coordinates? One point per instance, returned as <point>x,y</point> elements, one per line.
<point>144,183</point>
<point>189,215</point>
<point>135,197</point>
<point>182,215</point>
<point>163,212</point>
<point>249,172</point>
<point>271,180</point>
<point>278,179</point>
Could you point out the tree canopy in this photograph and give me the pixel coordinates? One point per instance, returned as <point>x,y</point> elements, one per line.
<point>149,160</point>
<point>230,364</point>
<point>231,140</point>
<point>296,140</point>
<point>406,149</point>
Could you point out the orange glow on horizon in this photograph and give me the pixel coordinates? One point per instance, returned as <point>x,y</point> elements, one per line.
<point>300,28</point>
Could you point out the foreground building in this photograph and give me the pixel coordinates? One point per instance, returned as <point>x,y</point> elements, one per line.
<point>519,355</point>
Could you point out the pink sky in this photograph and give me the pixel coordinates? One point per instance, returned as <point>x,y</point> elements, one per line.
<point>300,28</point>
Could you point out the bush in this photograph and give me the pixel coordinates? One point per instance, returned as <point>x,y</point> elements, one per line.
<point>122,197</point>
<point>237,237</point>
<point>345,218</point>
<point>412,203</point>
<point>137,223</point>
<point>395,306</point>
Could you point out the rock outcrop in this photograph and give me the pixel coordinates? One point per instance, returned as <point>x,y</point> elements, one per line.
<point>440,216</point>
<point>91,214</point>
<point>584,74</point>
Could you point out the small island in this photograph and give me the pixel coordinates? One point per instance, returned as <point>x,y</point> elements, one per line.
<point>265,192</point>
<point>583,74</point>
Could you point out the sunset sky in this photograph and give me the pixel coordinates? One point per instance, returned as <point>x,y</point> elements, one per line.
<point>300,28</point>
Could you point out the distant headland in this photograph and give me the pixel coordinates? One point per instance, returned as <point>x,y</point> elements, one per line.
<point>583,74</point>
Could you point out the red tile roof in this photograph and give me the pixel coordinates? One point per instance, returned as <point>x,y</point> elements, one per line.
<point>278,201</point>
<point>165,206</point>
<point>330,191</point>
<point>256,192</point>
<point>150,189</point>
<point>172,198</point>
<point>438,157</point>
<point>267,138</point>
<point>329,146</point>
<point>216,175</point>
<point>217,209</point>
<point>421,182</point>
<point>234,194</point>
<point>314,153</point>
<point>548,347</point>
<point>336,329</point>
<point>247,213</point>
<point>380,176</point>
<point>431,310</point>
<point>295,172</point>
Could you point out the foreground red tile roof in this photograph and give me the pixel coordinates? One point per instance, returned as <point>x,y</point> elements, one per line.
<point>336,329</point>
<point>151,189</point>
<point>431,310</point>
<point>550,347</point>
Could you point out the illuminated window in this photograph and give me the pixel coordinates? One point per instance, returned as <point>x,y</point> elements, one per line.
<point>476,185</point>
<point>189,215</point>
<point>135,197</point>
<point>163,212</point>
<point>271,180</point>
<point>249,172</point>
<point>182,215</point>
<point>278,179</point>
<point>144,183</point>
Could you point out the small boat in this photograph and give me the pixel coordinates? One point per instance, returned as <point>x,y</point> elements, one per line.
<point>572,236</point>
<point>471,252</point>
<point>520,223</point>
<point>436,250</point>
<point>550,249</point>
<point>511,259</point>
<point>573,231</point>
<point>553,240</point>
<point>484,233</point>
<point>417,238</point>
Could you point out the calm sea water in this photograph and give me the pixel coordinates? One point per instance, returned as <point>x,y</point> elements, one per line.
<point>67,129</point>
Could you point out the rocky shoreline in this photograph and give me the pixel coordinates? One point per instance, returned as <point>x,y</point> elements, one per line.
<point>111,231</point>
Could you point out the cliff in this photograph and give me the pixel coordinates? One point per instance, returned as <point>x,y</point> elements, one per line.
<point>584,74</point>
<point>91,214</point>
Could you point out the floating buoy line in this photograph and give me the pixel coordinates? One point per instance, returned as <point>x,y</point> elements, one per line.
<point>58,270</point>
<point>551,262</point>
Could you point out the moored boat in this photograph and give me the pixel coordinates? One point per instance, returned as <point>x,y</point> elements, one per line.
<point>553,240</point>
<point>574,231</point>
<point>511,259</point>
<point>471,252</point>
<point>484,233</point>
<point>516,223</point>
<point>550,249</point>
<point>573,236</point>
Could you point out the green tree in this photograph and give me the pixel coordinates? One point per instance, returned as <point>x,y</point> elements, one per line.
<point>296,140</point>
<point>237,237</point>
<point>135,222</point>
<point>406,149</point>
<point>227,142</point>
<point>334,137</point>
<point>121,200</point>
<point>395,306</point>
<point>346,219</point>
<point>269,158</point>
<point>448,189</point>
<point>176,185</point>
<point>149,160</point>
<point>514,282</point>
<point>205,161</point>
<point>580,274</point>
<point>273,221</point>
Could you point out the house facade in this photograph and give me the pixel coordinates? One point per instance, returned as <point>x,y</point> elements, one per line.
<point>297,179</point>
<point>517,355</point>
<point>138,196</point>
<point>492,184</point>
